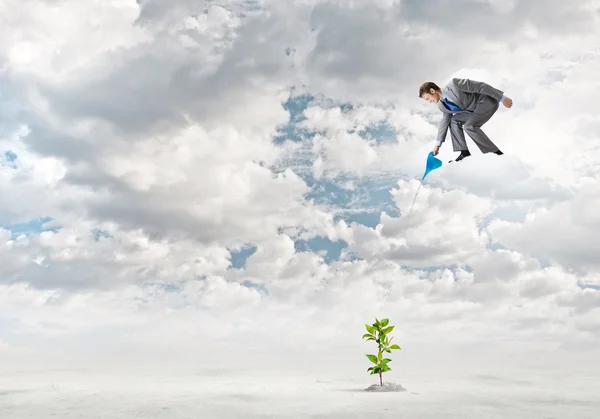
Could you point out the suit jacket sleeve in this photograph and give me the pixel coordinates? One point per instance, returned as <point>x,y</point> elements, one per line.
<point>443,129</point>
<point>472,86</point>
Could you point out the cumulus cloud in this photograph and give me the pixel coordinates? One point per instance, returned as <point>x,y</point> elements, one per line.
<point>564,233</point>
<point>194,178</point>
<point>442,228</point>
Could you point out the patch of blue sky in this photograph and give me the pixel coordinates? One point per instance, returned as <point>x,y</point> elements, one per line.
<point>98,234</point>
<point>9,159</point>
<point>239,256</point>
<point>364,202</point>
<point>296,105</point>
<point>328,249</point>
<point>291,131</point>
<point>452,267</point>
<point>32,227</point>
<point>381,132</point>
<point>253,285</point>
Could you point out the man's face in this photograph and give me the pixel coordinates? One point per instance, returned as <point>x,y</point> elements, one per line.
<point>432,96</point>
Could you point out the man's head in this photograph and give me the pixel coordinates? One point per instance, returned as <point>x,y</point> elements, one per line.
<point>430,92</point>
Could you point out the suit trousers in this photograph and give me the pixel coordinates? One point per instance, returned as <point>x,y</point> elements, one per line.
<point>471,122</point>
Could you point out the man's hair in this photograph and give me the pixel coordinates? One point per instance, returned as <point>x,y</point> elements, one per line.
<point>426,86</point>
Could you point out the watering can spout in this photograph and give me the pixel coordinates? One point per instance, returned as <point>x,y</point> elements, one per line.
<point>432,164</point>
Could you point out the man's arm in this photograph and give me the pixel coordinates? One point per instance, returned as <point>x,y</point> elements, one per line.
<point>443,129</point>
<point>472,86</point>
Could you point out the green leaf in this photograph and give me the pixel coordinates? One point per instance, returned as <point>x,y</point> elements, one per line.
<point>379,332</point>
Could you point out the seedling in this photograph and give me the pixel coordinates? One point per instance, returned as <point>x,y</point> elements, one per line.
<point>378,332</point>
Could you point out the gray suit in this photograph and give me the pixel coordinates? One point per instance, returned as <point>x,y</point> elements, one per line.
<point>479,102</point>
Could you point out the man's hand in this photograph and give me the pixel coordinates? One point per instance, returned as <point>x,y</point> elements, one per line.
<point>507,102</point>
<point>436,150</point>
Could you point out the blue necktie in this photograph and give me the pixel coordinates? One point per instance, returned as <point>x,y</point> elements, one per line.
<point>451,105</point>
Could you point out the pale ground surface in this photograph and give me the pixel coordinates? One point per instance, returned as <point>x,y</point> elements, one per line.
<point>203,393</point>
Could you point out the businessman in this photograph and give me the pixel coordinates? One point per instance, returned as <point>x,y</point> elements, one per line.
<point>466,105</point>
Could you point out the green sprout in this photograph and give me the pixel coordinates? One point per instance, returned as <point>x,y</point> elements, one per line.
<point>378,332</point>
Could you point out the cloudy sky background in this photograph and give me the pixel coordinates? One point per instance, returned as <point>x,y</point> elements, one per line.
<point>229,183</point>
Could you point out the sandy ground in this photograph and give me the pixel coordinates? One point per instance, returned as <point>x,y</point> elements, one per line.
<point>247,394</point>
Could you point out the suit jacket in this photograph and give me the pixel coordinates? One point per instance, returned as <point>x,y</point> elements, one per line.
<point>468,94</point>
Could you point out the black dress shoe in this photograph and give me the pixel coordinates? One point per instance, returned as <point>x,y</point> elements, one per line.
<point>462,155</point>
<point>498,152</point>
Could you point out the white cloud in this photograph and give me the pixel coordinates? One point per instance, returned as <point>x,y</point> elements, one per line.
<point>565,233</point>
<point>146,133</point>
<point>442,228</point>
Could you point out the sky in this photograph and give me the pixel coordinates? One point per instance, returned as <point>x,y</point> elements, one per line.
<point>229,184</point>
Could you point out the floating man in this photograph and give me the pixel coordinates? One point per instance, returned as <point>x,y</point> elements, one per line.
<point>465,104</point>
